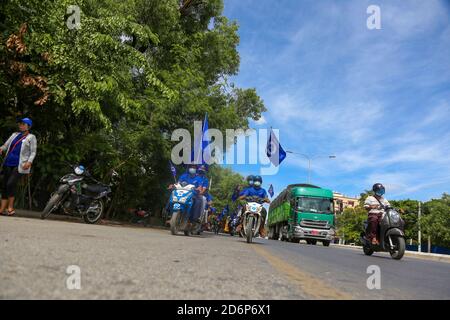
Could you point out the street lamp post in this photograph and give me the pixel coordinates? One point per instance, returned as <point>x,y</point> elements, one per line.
<point>309,158</point>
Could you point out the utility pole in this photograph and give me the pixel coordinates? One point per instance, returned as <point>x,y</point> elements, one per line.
<point>419,247</point>
<point>309,158</point>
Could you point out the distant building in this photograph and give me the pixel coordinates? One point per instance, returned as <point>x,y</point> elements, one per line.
<point>341,202</point>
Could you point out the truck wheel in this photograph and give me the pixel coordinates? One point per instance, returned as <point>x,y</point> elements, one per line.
<point>311,241</point>
<point>326,243</point>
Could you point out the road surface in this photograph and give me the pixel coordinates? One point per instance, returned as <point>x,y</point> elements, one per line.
<point>117,262</point>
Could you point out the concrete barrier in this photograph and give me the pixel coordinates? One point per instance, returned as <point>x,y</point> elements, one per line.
<point>412,254</point>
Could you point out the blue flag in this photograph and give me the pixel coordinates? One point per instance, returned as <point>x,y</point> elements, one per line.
<point>274,151</point>
<point>173,169</point>
<point>203,154</point>
<point>270,191</point>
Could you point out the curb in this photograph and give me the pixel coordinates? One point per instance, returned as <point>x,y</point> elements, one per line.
<point>67,218</point>
<point>411,254</point>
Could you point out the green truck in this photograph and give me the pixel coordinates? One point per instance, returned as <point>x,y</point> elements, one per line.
<point>302,212</point>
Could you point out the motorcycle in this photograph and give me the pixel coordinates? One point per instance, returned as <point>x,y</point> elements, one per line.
<point>216,225</point>
<point>180,205</point>
<point>251,218</point>
<point>390,233</point>
<point>203,222</point>
<point>140,217</point>
<point>232,225</point>
<point>80,194</point>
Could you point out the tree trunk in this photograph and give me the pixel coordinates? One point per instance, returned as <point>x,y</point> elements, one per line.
<point>429,244</point>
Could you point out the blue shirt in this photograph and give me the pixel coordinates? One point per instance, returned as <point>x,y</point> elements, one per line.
<point>243,190</point>
<point>186,177</point>
<point>204,181</point>
<point>254,192</point>
<point>12,159</point>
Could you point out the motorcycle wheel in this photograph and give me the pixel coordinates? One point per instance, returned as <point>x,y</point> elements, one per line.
<point>91,217</point>
<point>249,230</point>
<point>175,222</point>
<point>400,244</point>
<point>367,250</point>
<point>311,241</point>
<point>326,243</point>
<point>51,205</point>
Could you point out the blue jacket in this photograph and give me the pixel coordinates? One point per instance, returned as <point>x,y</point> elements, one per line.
<point>186,177</point>
<point>255,192</point>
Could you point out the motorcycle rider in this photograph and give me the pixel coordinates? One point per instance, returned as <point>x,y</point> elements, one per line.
<point>204,184</point>
<point>375,211</point>
<point>256,191</point>
<point>238,192</point>
<point>191,177</point>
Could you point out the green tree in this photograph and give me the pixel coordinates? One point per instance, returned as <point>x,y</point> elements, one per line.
<point>224,182</point>
<point>409,212</point>
<point>435,223</point>
<point>350,224</point>
<point>110,93</point>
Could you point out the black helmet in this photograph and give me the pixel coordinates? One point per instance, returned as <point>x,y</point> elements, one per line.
<point>378,189</point>
<point>250,178</point>
<point>258,181</point>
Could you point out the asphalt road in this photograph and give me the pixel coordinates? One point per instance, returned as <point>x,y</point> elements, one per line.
<point>119,262</point>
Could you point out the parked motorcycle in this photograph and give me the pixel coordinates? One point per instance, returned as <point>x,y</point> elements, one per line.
<point>251,218</point>
<point>79,194</point>
<point>181,201</point>
<point>140,217</point>
<point>390,233</point>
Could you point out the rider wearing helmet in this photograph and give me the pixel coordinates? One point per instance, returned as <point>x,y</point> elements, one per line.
<point>256,191</point>
<point>203,190</point>
<point>374,208</point>
<point>190,177</point>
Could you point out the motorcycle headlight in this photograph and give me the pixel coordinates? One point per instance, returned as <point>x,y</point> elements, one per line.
<point>395,216</point>
<point>183,199</point>
<point>79,170</point>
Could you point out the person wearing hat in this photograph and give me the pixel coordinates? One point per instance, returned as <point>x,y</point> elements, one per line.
<point>19,152</point>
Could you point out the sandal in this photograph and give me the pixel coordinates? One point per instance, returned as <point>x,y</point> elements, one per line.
<point>11,213</point>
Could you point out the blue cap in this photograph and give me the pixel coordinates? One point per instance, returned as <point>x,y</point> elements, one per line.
<point>27,121</point>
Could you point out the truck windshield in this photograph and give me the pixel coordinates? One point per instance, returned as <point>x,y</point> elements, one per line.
<point>316,205</point>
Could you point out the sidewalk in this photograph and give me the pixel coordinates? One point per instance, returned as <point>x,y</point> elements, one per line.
<point>411,254</point>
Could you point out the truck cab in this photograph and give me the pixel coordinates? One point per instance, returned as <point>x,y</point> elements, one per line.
<point>303,212</point>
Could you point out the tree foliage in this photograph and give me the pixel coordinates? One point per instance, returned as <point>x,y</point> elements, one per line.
<point>109,93</point>
<point>435,222</point>
<point>349,224</point>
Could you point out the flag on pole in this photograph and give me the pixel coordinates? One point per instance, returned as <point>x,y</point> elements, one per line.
<point>270,191</point>
<point>201,145</point>
<point>274,151</point>
<point>173,169</point>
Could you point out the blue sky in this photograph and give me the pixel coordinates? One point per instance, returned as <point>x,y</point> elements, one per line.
<point>377,99</point>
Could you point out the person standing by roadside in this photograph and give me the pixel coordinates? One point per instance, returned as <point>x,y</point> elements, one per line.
<point>19,152</point>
